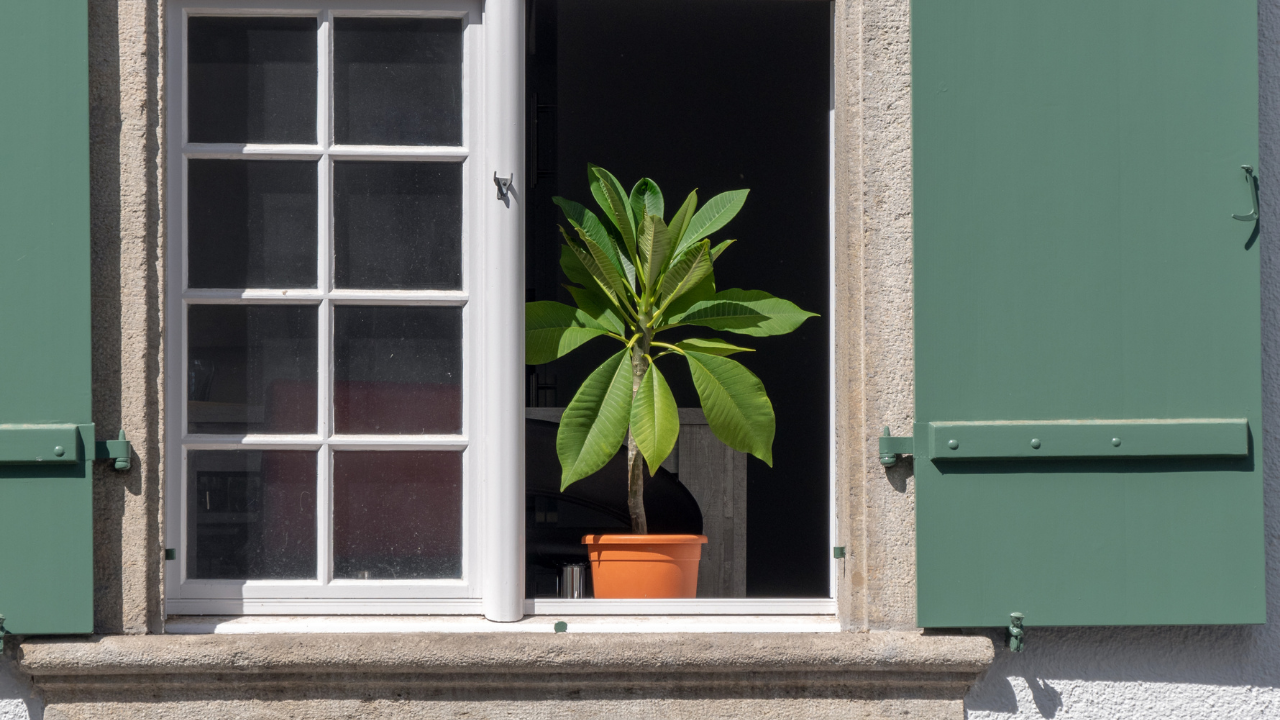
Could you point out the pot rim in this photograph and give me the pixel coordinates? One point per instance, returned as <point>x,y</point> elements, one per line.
<point>653,539</point>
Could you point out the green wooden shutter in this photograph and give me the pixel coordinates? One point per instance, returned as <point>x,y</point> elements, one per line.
<point>1080,282</point>
<point>46,519</point>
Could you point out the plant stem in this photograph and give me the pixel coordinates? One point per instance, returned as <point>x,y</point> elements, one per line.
<point>635,461</point>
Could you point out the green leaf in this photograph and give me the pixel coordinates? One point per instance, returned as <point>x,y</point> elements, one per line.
<point>681,219</point>
<point>584,220</point>
<point>715,251</point>
<point>704,290</point>
<point>746,312</point>
<point>552,330</point>
<point>653,244</point>
<point>595,422</point>
<point>735,403</point>
<point>572,266</point>
<point>598,306</point>
<point>598,275</point>
<point>686,271</point>
<point>711,346</point>
<point>655,422</point>
<point>646,200</point>
<point>718,211</point>
<point>603,183</point>
<point>604,265</point>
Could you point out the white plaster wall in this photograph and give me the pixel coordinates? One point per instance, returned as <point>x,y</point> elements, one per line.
<point>1204,673</point>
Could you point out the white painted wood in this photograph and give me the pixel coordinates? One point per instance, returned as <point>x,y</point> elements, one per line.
<point>492,129</point>
<point>257,625</point>
<point>500,445</point>
<point>696,606</point>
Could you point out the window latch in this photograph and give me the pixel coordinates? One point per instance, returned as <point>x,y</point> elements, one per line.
<point>504,185</point>
<point>891,447</point>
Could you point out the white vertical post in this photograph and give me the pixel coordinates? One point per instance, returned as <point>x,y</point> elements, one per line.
<point>500,438</point>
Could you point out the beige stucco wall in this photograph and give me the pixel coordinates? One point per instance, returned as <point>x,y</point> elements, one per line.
<point>880,667</point>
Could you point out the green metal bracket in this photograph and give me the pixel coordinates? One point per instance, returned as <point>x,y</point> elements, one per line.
<point>891,447</point>
<point>1017,636</point>
<point>119,450</point>
<point>1193,437</point>
<point>561,626</point>
<point>837,552</point>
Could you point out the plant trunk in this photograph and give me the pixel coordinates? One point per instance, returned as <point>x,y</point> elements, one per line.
<point>635,461</point>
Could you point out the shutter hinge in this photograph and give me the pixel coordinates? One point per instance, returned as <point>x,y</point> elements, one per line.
<point>1017,636</point>
<point>119,450</point>
<point>891,447</point>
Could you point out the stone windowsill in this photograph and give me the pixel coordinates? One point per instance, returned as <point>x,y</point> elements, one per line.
<point>946,664</point>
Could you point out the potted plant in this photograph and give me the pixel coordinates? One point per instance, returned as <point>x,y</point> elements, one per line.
<point>634,276</point>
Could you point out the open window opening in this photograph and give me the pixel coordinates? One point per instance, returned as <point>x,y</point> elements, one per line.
<point>713,95</point>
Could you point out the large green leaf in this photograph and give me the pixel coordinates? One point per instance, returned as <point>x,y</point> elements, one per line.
<point>646,200</point>
<point>654,245</point>
<point>655,421</point>
<point>598,306</point>
<point>572,266</point>
<point>686,271</point>
<point>595,422</point>
<point>552,330</point>
<point>719,248</point>
<point>681,219</point>
<point>598,276</point>
<point>718,211</point>
<point>704,290</point>
<point>605,185</point>
<point>711,346</point>
<point>584,220</point>
<point>734,401</point>
<point>746,312</point>
<point>604,265</point>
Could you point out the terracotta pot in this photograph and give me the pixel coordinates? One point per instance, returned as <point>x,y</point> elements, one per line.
<point>644,566</point>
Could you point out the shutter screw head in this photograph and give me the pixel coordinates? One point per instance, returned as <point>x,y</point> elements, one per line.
<point>953,444</point>
<point>1035,443</point>
<point>1115,442</point>
<point>59,451</point>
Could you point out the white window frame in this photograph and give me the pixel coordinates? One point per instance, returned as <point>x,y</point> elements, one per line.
<point>492,299</point>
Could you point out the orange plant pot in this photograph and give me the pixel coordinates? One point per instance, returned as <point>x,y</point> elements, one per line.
<point>644,566</point>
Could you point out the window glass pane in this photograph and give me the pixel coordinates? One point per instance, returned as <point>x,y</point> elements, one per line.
<point>251,80</point>
<point>397,515</point>
<point>251,368</point>
<point>398,225</point>
<point>397,370</point>
<point>397,81</point>
<point>251,224</point>
<point>252,514</point>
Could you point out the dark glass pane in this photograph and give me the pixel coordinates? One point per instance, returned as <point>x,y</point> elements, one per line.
<point>397,515</point>
<point>251,368</point>
<point>252,514</point>
<point>397,81</point>
<point>397,370</point>
<point>251,80</point>
<point>397,225</point>
<point>251,224</point>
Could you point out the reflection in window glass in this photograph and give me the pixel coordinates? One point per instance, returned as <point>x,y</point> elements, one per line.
<point>397,81</point>
<point>251,80</point>
<point>397,225</point>
<point>251,224</point>
<point>251,368</point>
<point>397,515</point>
<point>252,514</point>
<point>397,370</point>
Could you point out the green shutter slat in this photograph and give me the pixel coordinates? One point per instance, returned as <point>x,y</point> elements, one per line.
<point>1076,169</point>
<point>46,519</point>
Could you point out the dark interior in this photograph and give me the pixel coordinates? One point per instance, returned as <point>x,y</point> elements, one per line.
<point>716,95</point>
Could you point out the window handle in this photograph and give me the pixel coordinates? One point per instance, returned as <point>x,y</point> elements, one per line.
<point>1253,190</point>
<point>504,185</point>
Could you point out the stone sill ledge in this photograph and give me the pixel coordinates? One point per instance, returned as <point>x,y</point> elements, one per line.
<point>842,658</point>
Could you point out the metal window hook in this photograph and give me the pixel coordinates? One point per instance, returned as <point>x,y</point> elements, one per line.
<point>1253,192</point>
<point>504,185</point>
